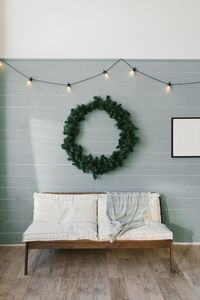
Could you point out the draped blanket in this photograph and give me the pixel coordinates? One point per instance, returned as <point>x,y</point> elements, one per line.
<point>126,210</point>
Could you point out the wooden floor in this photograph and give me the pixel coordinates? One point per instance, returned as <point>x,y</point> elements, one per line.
<point>100,274</point>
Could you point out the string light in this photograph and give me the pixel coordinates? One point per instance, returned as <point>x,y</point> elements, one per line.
<point>169,86</point>
<point>69,88</point>
<point>132,72</point>
<point>106,74</point>
<point>29,82</point>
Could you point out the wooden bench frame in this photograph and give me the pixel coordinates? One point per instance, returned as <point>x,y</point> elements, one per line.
<point>89,244</point>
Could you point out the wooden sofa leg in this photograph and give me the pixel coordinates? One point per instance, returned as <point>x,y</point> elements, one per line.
<point>171,257</point>
<point>26,259</point>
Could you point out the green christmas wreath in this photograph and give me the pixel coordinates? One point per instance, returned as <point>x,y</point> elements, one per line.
<point>99,165</point>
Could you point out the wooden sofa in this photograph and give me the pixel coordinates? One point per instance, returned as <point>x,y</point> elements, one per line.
<point>86,226</point>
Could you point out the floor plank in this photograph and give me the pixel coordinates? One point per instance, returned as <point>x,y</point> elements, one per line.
<point>112,264</point>
<point>39,277</point>
<point>68,289</point>
<point>101,282</point>
<point>146,276</point>
<point>118,289</point>
<point>168,289</point>
<point>131,275</point>
<point>52,288</point>
<point>86,276</point>
<point>5,259</point>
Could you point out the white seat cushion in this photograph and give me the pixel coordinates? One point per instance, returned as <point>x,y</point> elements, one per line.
<point>150,231</point>
<point>56,232</point>
<point>65,208</point>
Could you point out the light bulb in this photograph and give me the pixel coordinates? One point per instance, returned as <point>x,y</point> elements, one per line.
<point>106,74</point>
<point>69,88</point>
<point>132,72</point>
<point>168,88</point>
<point>1,64</point>
<point>29,82</point>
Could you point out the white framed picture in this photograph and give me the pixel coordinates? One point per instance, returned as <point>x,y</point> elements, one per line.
<point>185,135</point>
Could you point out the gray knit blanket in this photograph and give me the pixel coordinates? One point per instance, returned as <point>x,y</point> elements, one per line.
<point>126,210</point>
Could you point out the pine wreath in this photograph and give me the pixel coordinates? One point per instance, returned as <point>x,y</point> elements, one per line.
<point>102,164</point>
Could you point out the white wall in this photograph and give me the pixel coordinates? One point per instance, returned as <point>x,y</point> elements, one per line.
<point>100,29</point>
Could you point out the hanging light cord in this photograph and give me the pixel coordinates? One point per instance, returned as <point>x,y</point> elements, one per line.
<point>169,83</point>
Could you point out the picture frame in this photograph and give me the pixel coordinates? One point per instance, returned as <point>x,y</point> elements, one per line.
<point>185,137</point>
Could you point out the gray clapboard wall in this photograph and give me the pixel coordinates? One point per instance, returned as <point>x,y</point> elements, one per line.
<point>31,127</point>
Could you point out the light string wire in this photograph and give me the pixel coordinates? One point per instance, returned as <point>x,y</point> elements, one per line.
<point>104,72</point>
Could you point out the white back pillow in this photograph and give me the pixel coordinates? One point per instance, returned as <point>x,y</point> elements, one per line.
<point>154,213</point>
<point>63,208</point>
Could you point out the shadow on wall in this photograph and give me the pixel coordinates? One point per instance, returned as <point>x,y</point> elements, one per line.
<point>46,143</point>
<point>180,234</point>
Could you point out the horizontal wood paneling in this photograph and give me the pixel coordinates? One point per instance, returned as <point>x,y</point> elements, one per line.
<point>16,204</point>
<point>87,180</point>
<point>11,238</point>
<point>31,132</point>
<point>64,169</point>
